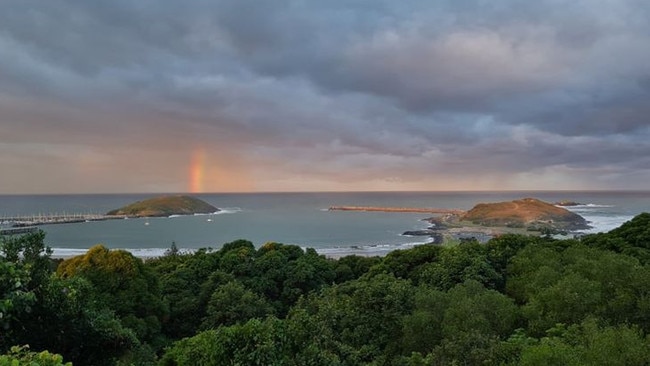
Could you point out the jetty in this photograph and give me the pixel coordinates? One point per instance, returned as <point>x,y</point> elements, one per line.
<point>18,230</point>
<point>442,211</point>
<point>56,218</point>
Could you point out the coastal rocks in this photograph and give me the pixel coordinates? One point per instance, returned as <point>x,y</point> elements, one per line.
<point>567,203</point>
<point>435,235</point>
<point>525,213</point>
<point>165,206</point>
<point>435,231</point>
<point>425,232</point>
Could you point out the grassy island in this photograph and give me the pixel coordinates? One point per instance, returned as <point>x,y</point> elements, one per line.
<point>165,206</point>
<point>527,212</point>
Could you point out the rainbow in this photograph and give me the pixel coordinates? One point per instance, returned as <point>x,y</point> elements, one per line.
<point>197,171</point>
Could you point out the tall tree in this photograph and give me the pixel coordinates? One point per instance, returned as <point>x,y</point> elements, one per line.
<point>125,285</point>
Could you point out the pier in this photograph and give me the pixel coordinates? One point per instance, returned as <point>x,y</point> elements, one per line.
<point>19,221</point>
<point>18,230</point>
<point>443,211</point>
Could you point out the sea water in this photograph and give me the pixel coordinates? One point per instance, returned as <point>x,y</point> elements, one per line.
<point>291,218</point>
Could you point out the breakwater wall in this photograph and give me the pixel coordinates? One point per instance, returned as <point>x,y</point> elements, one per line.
<point>18,230</point>
<point>49,219</point>
<point>444,211</point>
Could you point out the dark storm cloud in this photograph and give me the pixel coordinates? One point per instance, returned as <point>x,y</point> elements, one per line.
<point>364,88</point>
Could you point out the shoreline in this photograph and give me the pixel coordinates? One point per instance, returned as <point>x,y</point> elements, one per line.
<point>333,255</point>
<point>369,250</point>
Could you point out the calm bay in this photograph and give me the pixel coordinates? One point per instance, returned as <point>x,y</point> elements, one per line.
<point>291,218</point>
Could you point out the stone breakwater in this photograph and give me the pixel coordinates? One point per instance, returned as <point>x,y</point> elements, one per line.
<point>49,219</point>
<point>442,211</point>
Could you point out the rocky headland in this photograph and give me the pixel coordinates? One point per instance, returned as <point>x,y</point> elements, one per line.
<point>486,220</point>
<point>527,212</point>
<point>165,206</point>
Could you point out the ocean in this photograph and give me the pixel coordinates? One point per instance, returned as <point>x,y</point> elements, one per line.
<point>291,218</point>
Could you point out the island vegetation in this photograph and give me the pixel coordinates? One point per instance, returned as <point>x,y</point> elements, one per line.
<point>515,300</point>
<point>165,206</point>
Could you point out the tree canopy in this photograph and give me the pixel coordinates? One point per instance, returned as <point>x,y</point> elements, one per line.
<point>516,300</point>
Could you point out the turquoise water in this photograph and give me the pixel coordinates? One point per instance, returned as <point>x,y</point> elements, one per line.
<point>292,218</point>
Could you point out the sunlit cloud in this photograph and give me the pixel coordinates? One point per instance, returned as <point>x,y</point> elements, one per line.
<point>283,96</point>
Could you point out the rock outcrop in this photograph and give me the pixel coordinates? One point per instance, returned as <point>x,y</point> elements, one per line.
<point>165,206</point>
<point>527,212</point>
<point>567,203</point>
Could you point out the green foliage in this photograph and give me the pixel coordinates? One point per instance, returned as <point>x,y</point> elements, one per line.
<point>65,319</point>
<point>588,344</point>
<point>635,232</point>
<point>422,328</point>
<point>559,284</point>
<point>232,303</point>
<point>56,314</point>
<point>237,283</point>
<point>569,301</point>
<point>187,282</point>
<point>352,267</point>
<point>24,268</point>
<point>409,264</point>
<point>514,300</point>
<point>22,356</point>
<point>237,258</point>
<point>468,301</point>
<point>462,325</point>
<point>502,249</point>
<point>256,342</point>
<point>125,285</point>
<point>472,307</point>
<point>29,251</point>
<point>357,321</point>
<point>278,272</point>
<point>457,264</point>
<point>631,238</point>
<point>15,296</point>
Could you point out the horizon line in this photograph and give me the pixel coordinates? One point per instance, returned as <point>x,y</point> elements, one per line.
<point>332,191</point>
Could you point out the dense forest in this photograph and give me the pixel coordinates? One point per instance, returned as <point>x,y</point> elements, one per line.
<point>517,300</point>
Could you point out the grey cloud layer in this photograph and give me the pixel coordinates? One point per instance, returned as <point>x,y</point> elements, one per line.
<point>385,88</point>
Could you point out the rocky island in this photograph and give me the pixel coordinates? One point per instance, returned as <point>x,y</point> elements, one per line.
<point>527,212</point>
<point>487,220</point>
<point>165,206</point>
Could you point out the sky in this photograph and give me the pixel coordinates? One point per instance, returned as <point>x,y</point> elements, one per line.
<point>121,96</point>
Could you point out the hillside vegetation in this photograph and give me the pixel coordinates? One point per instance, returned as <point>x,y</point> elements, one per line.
<point>165,206</point>
<point>516,300</point>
